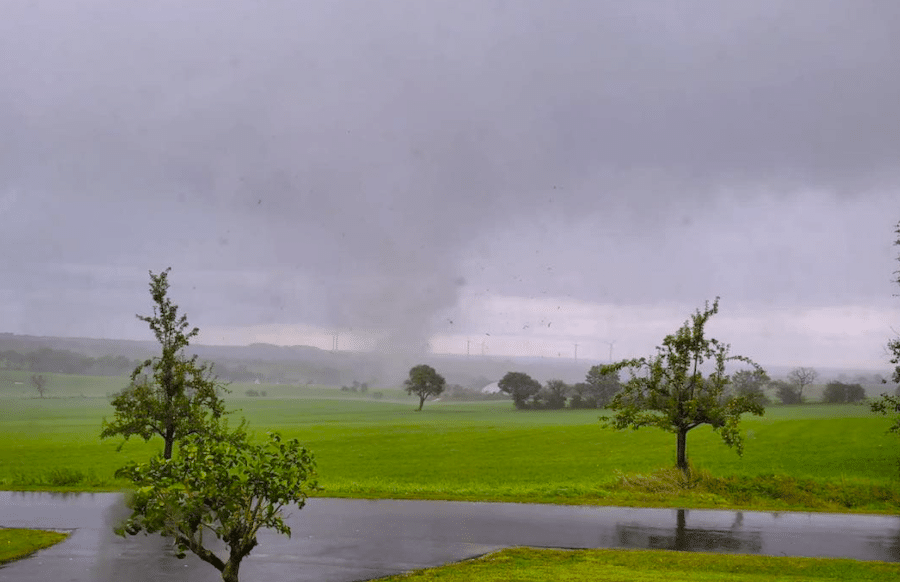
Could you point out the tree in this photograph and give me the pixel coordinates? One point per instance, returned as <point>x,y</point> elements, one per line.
<point>424,381</point>
<point>841,393</point>
<point>582,396</point>
<point>520,386</point>
<point>171,396</point>
<point>750,383</point>
<point>221,484</point>
<point>889,404</point>
<point>40,384</point>
<point>603,386</point>
<point>802,377</point>
<point>553,395</point>
<point>786,392</point>
<point>670,391</point>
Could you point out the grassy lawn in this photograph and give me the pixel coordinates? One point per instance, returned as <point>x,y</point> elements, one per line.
<point>819,457</point>
<point>16,544</point>
<point>526,565</point>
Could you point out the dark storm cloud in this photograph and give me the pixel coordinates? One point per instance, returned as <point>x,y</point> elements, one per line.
<point>353,164</point>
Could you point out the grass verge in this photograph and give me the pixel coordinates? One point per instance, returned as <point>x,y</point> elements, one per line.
<point>488,451</point>
<point>16,544</point>
<point>527,564</point>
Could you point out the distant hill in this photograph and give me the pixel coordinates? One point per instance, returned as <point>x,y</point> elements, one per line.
<point>311,365</point>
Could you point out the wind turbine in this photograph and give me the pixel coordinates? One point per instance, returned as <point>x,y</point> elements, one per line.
<point>610,344</point>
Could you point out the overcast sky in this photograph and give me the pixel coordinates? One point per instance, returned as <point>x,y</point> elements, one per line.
<point>515,176</point>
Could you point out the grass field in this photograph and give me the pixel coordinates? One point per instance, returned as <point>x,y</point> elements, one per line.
<point>820,457</point>
<point>16,544</point>
<point>533,565</point>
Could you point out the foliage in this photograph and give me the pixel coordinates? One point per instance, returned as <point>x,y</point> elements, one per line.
<point>520,386</point>
<point>841,393</point>
<point>671,392</point>
<point>424,381</point>
<point>552,396</point>
<point>40,384</point>
<point>171,396</point>
<point>65,362</point>
<point>221,484</point>
<point>786,392</point>
<point>801,378</point>
<point>750,383</point>
<point>597,390</point>
<point>458,392</point>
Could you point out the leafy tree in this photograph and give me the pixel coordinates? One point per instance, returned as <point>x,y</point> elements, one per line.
<point>750,383</point>
<point>171,396</point>
<point>520,386</point>
<point>582,396</point>
<point>670,391</point>
<point>40,384</point>
<point>424,381</point>
<point>603,386</point>
<point>802,377</point>
<point>219,484</point>
<point>889,404</point>
<point>553,395</point>
<point>841,393</point>
<point>786,392</point>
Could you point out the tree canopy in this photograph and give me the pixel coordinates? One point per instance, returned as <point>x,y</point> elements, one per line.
<point>424,381</point>
<point>221,484</point>
<point>751,383</point>
<point>520,386</point>
<point>603,386</point>
<point>842,393</point>
<point>171,396</point>
<point>671,391</point>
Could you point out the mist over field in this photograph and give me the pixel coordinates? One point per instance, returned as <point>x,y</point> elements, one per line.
<point>502,179</point>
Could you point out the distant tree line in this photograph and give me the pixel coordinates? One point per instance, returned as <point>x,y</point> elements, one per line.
<point>599,389</point>
<point>49,360</point>
<point>527,393</point>
<point>460,392</point>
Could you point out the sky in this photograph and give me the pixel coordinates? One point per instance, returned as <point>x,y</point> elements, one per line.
<point>497,177</point>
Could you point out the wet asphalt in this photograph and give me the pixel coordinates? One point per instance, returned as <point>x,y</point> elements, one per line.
<point>348,540</point>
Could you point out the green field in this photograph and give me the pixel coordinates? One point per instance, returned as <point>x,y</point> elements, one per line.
<point>16,544</point>
<point>533,565</point>
<point>820,457</point>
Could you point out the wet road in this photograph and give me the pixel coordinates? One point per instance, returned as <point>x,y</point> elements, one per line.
<point>348,540</point>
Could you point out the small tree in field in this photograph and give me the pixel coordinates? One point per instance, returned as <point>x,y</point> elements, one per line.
<point>554,394</point>
<point>841,393</point>
<point>604,385</point>
<point>671,391</point>
<point>750,383</point>
<point>786,392</point>
<point>222,485</point>
<point>801,378</point>
<point>40,384</point>
<point>424,381</point>
<point>171,396</point>
<point>520,386</point>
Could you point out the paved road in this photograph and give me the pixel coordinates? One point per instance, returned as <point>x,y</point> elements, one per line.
<point>349,540</point>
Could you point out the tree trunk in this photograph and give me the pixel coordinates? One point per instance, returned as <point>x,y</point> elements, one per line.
<point>421,402</point>
<point>230,572</point>
<point>681,460</point>
<point>170,439</point>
